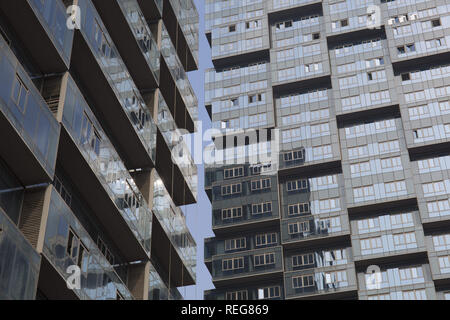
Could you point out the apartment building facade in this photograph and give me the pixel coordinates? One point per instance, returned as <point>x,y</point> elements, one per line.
<point>357,206</point>
<point>94,94</point>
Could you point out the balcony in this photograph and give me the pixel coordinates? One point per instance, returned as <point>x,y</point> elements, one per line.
<point>159,290</point>
<point>99,281</point>
<point>245,268</point>
<point>28,129</point>
<point>127,26</point>
<point>41,25</point>
<point>179,155</point>
<point>92,163</point>
<point>115,98</point>
<point>182,20</point>
<point>19,263</point>
<point>332,283</point>
<point>171,232</point>
<point>152,9</point>
<point>179,77</point>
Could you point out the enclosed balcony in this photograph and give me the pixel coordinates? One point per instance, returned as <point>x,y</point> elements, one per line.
<point>127,26</point>
<point>28,130</point>
<point>262,264</point>
<point>67,243</point>
<point>19,263</point>
<point>173,244</point>
<point>42,26</point>
<point>115,98</point>
<point>92,163</point>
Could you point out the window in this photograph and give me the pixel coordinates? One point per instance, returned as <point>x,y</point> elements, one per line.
<point>20,93</point>
<point>433,188</point>
<point>329,204</point>
<point>76,250</point>
<point>255,98</point>
<point>63,192</point>
<point>237,295</point>
<point>360,167</point>
<point>235,244</point>
<point>406,76</point>
<point>436,22</point>
<point>414,295</point>
<point>298,227</point>
<point>261,184</point>
<point>284,25</point>
<point>102,42</point>
<point>269,293</point>
<point>303,281</point>
<point>336,279</point>
<point>438,208</point>
<point>298,208</point>
<point>231,189</point>
<point>231,213</point>
<point>233,264</point>
<point>441,242</point>
<point>294,155</point>
<point>89,135</point>
<point>367,245</point>
<point>261,208</point>
<point>316,36</point>
<point>297,185</point>
<point>232,28</point>
<point>264,259</point>
<point>404,240</point>
<point>303,260</point>
<point>266,239</point>
<point>406,49</point>
<point>233,173</point>
<point>105,251</point>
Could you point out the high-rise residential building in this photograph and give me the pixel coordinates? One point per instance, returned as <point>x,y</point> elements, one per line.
<point>358,204</point>
<point>93,96</point>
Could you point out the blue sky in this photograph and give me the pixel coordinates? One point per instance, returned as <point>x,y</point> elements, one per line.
<point>199,215</point>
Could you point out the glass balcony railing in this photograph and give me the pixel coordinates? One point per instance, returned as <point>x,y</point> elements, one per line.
<point>104,161</point>
<point>188,19</point>
<point>118,76</point>
<point>175,142</point>
<point>242,264</point>
<point>180,77</point>
<point>19,263</point>
<point>311,282</point>
<point>99,281</point>
<point>26,110</point>
<point>310,227</point>
<point>53,17</point>
<point>173,222</point>
<point>142,33</point>
<point>159,290</point>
